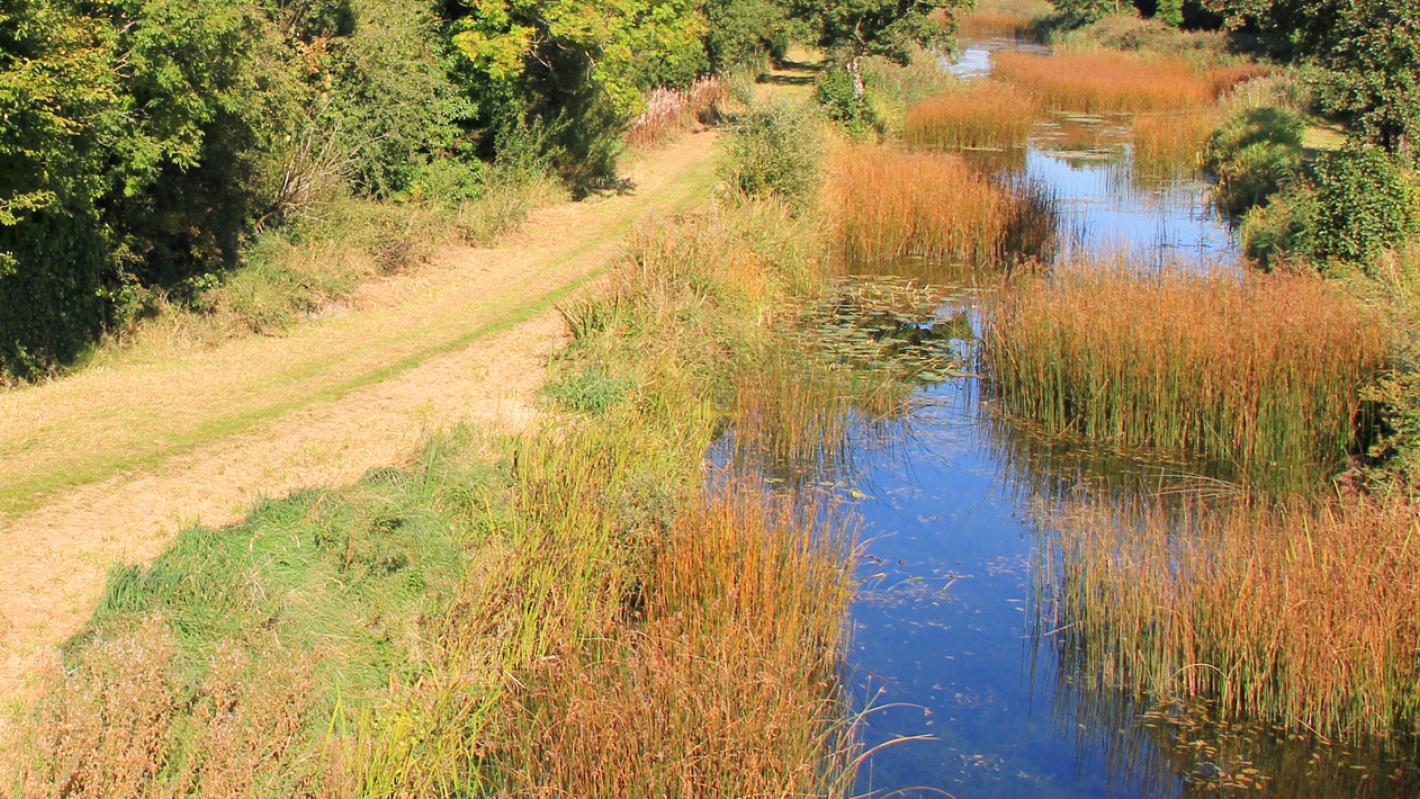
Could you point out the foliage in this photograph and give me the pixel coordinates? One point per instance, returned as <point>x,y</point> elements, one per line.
<point>776,151</point>
<point>577,70</point>
<point>835,93</point>
<point>1254,154</point>
<point>1170,12</point>
<point>1364,204</point>
<point>742,32</point>
<point>1351,206</point>
<point>852,30</point>
<point>1370,50</point>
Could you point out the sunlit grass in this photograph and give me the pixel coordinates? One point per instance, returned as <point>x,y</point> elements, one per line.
<point>1105,81</point>
<point>1305,616</point>
<point>1263,375</point>
<point>980,115</point>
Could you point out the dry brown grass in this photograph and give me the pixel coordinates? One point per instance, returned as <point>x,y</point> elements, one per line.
<point>113,729</point>
<point>1107,81</point>
<point>719,689</point>
<point>986,114</point>
<point>1171,142</point>
<point>889,204</point>
<point>1309,617</point>
<point>1263,374</point>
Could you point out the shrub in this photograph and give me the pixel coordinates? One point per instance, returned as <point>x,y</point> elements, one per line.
<point>835,93</point>
<point>1364,204</point>
<point>1350,206</point>
<point>1254,154</point>
<point>776,151</point>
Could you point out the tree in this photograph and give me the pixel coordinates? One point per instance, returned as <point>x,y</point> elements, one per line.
<point>1369,49</point>
<point>576,70</point>
<point>852,29</point>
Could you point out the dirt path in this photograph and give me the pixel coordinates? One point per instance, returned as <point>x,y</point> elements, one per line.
<point>107,465</point>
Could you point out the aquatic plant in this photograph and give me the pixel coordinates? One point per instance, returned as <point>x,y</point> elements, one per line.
<point>1169,144</point>
<point>1263,374</point>
<point>1097,82</point>
<point>982,114</point>
<point>1307,616</point>
<point>889,204</point>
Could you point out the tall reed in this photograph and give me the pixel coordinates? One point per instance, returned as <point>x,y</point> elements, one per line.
<point>718,688</point>
<point>1263,374</point>
<point>987,24</point>
<point>888,204</point>
<point>1308,617</point>
<point>985,114</point>
<point>1170,143</point>
<point>1106,81</point>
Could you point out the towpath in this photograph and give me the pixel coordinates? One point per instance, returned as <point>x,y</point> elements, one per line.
<point>106,466</point>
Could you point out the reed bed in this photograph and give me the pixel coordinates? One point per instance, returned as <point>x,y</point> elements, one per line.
<point>1305,616</point>
<point>718,689</point>
<point>1170,143</point>
<point>1099,82</point>
<point>670,111</point>
<point>889,204</point>
<point>986,114</point>
<point>989,24</point>
<point>1263,375</point>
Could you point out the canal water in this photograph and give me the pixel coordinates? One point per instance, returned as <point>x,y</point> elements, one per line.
<point>950,655</point>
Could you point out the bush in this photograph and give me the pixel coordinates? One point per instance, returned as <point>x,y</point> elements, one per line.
<point>835,93</point>
<point>1254,154</point>
<point>776,151</point>
<point>1364,204</point>
<point>1352,205</point>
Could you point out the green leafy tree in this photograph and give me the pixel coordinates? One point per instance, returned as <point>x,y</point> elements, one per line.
<point>1170,12</point>
<point>577,70</point>
<point>853,29</point>
<point>1370,50</point>
<point>741,32</point>
<point>60,104</point>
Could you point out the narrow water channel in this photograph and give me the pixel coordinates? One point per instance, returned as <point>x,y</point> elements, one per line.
<point>947,648</point>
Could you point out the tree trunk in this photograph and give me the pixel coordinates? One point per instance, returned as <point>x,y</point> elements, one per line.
<point>855,71</point>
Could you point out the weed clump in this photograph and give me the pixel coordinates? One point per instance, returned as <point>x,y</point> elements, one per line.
<point>1304,616</point>
<point>888,204</point>
<point>1262,375</point>
<point>984,115</point>
<point>1107,81</point>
